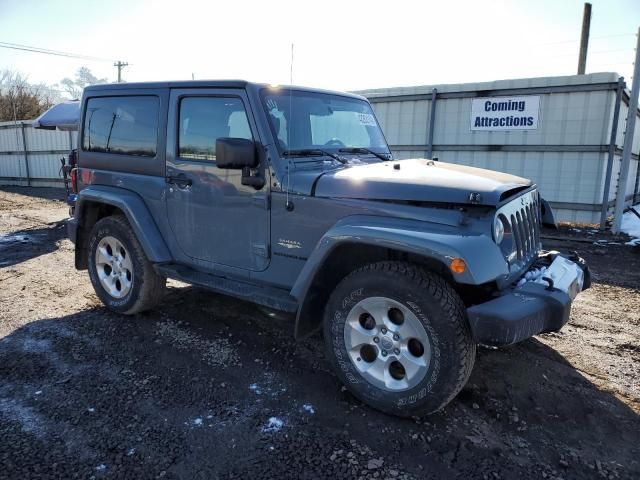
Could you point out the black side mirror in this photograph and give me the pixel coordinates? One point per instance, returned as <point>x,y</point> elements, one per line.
<point>235,153</point>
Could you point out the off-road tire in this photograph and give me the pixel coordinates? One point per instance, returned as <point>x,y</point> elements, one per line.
<point>438,308</point>
<point>147,287</point>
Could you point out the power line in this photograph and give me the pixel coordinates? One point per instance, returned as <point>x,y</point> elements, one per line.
<point>594,37</point>
<point>44,89</point>
<point>46,51</point>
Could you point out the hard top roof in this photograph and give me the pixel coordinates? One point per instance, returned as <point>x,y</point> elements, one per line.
<point>206,84</point>
<point>171,84</point>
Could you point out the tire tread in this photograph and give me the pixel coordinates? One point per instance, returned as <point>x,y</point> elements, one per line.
<point>450,302</point>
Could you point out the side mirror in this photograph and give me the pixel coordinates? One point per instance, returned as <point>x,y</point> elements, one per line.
<point>235,153</point>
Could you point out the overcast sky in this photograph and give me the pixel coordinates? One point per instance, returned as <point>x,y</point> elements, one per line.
<point>344,45</point>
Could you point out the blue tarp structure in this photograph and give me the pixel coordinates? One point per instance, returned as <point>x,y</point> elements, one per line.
<point>63,116</point>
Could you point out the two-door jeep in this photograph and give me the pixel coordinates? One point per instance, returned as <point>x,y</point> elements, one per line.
<point>290,198</point>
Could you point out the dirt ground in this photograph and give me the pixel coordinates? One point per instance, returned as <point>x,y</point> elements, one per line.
<point>209,387</point>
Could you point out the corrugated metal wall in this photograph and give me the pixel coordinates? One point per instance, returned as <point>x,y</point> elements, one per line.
<point>30,156</point>
<point>566,155</point>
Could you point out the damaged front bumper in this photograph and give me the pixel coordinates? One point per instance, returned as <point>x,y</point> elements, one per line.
<point>532,307</point>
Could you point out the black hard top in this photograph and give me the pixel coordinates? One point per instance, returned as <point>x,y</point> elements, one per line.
<point>205,84</point>
<point>172,84</point>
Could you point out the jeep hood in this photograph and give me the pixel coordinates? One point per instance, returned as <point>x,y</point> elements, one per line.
<point>418,180</point>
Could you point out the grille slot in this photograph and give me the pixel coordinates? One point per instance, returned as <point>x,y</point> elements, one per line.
<point>524,216</point>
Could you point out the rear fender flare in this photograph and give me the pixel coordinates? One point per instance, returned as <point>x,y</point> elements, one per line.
<point>137,213</point>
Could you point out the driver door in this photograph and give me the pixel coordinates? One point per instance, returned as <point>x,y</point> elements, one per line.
<point>217,222</point>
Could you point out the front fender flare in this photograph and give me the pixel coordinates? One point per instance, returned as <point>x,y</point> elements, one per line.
<point>548,217</point>
<point>137,214</point>
<point>435,241</point>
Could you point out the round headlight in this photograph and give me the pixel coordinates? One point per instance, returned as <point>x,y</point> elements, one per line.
<point>498,230</point>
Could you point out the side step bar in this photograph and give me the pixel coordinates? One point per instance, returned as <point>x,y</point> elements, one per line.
<point>271,297</point>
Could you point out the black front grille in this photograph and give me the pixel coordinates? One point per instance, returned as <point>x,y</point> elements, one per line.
<point>525,225</point>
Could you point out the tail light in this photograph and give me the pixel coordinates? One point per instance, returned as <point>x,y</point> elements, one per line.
<point>74,180</point>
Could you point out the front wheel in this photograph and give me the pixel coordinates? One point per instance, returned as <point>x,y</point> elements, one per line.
<point>398,338</point>
<point>120,272</point>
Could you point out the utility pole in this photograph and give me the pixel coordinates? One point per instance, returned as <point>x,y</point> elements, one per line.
<point>120,65</point>
<point>584,38</point>
<point>628,143</point>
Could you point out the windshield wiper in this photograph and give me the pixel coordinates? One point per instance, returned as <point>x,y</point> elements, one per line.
<point>312,152</point>
<point>381,156</point>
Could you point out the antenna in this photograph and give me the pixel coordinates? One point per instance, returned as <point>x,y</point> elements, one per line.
<point>291,67</point>
<point>288,204</point>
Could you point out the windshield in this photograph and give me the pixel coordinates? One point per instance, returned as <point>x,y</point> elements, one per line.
<point>312,120</point>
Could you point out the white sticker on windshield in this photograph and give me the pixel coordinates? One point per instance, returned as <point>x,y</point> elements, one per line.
<point>366,119</point>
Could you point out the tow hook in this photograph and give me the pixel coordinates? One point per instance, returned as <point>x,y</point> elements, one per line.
<point>549,280</point>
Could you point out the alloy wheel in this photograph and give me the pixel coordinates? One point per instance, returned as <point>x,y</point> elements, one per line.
<point>387,343</point>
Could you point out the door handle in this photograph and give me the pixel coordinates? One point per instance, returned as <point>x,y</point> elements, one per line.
<point>181,181</point>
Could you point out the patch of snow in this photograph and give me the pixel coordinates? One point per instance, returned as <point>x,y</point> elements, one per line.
<point>29,420</point>
<point>267,390</point>
<point>91,409</point>
<point>131,451</point>
<point>269,385</point>
<point>254,387</point>
<point>197,422</point>
<point>274,424</point>
<point>534,276</point>
<point>631,223</point>
<point>39,392</point>
<point>32,345</point>
<point>307,407</point>
<point>101,468</point>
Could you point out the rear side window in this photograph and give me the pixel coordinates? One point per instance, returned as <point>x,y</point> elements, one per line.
<point>205,119</point>
<point>125,125</point>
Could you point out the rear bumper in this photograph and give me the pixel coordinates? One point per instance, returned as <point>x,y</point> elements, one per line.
<point>522,312</point>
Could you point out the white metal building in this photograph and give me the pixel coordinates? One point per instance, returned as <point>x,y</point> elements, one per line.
<point>555,130</point>
<point>32,157</point>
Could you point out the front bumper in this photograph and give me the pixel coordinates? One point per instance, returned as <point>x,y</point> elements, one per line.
<point>524,311</point>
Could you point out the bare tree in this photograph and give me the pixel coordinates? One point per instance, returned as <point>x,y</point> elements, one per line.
<point>20,100</point>
<point>83,78</point>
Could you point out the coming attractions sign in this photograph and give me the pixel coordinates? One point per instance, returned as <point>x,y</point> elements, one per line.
<point>505,113</point>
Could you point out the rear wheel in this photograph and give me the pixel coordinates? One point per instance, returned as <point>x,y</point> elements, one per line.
<point>121,274</point>
<point>398,338</point>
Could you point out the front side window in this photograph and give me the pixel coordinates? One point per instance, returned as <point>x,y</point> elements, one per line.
<point>126,125</point>
<point>307,120</point>
<point>205,119</point>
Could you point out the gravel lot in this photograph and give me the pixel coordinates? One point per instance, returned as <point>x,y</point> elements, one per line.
<point>209,387</point>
